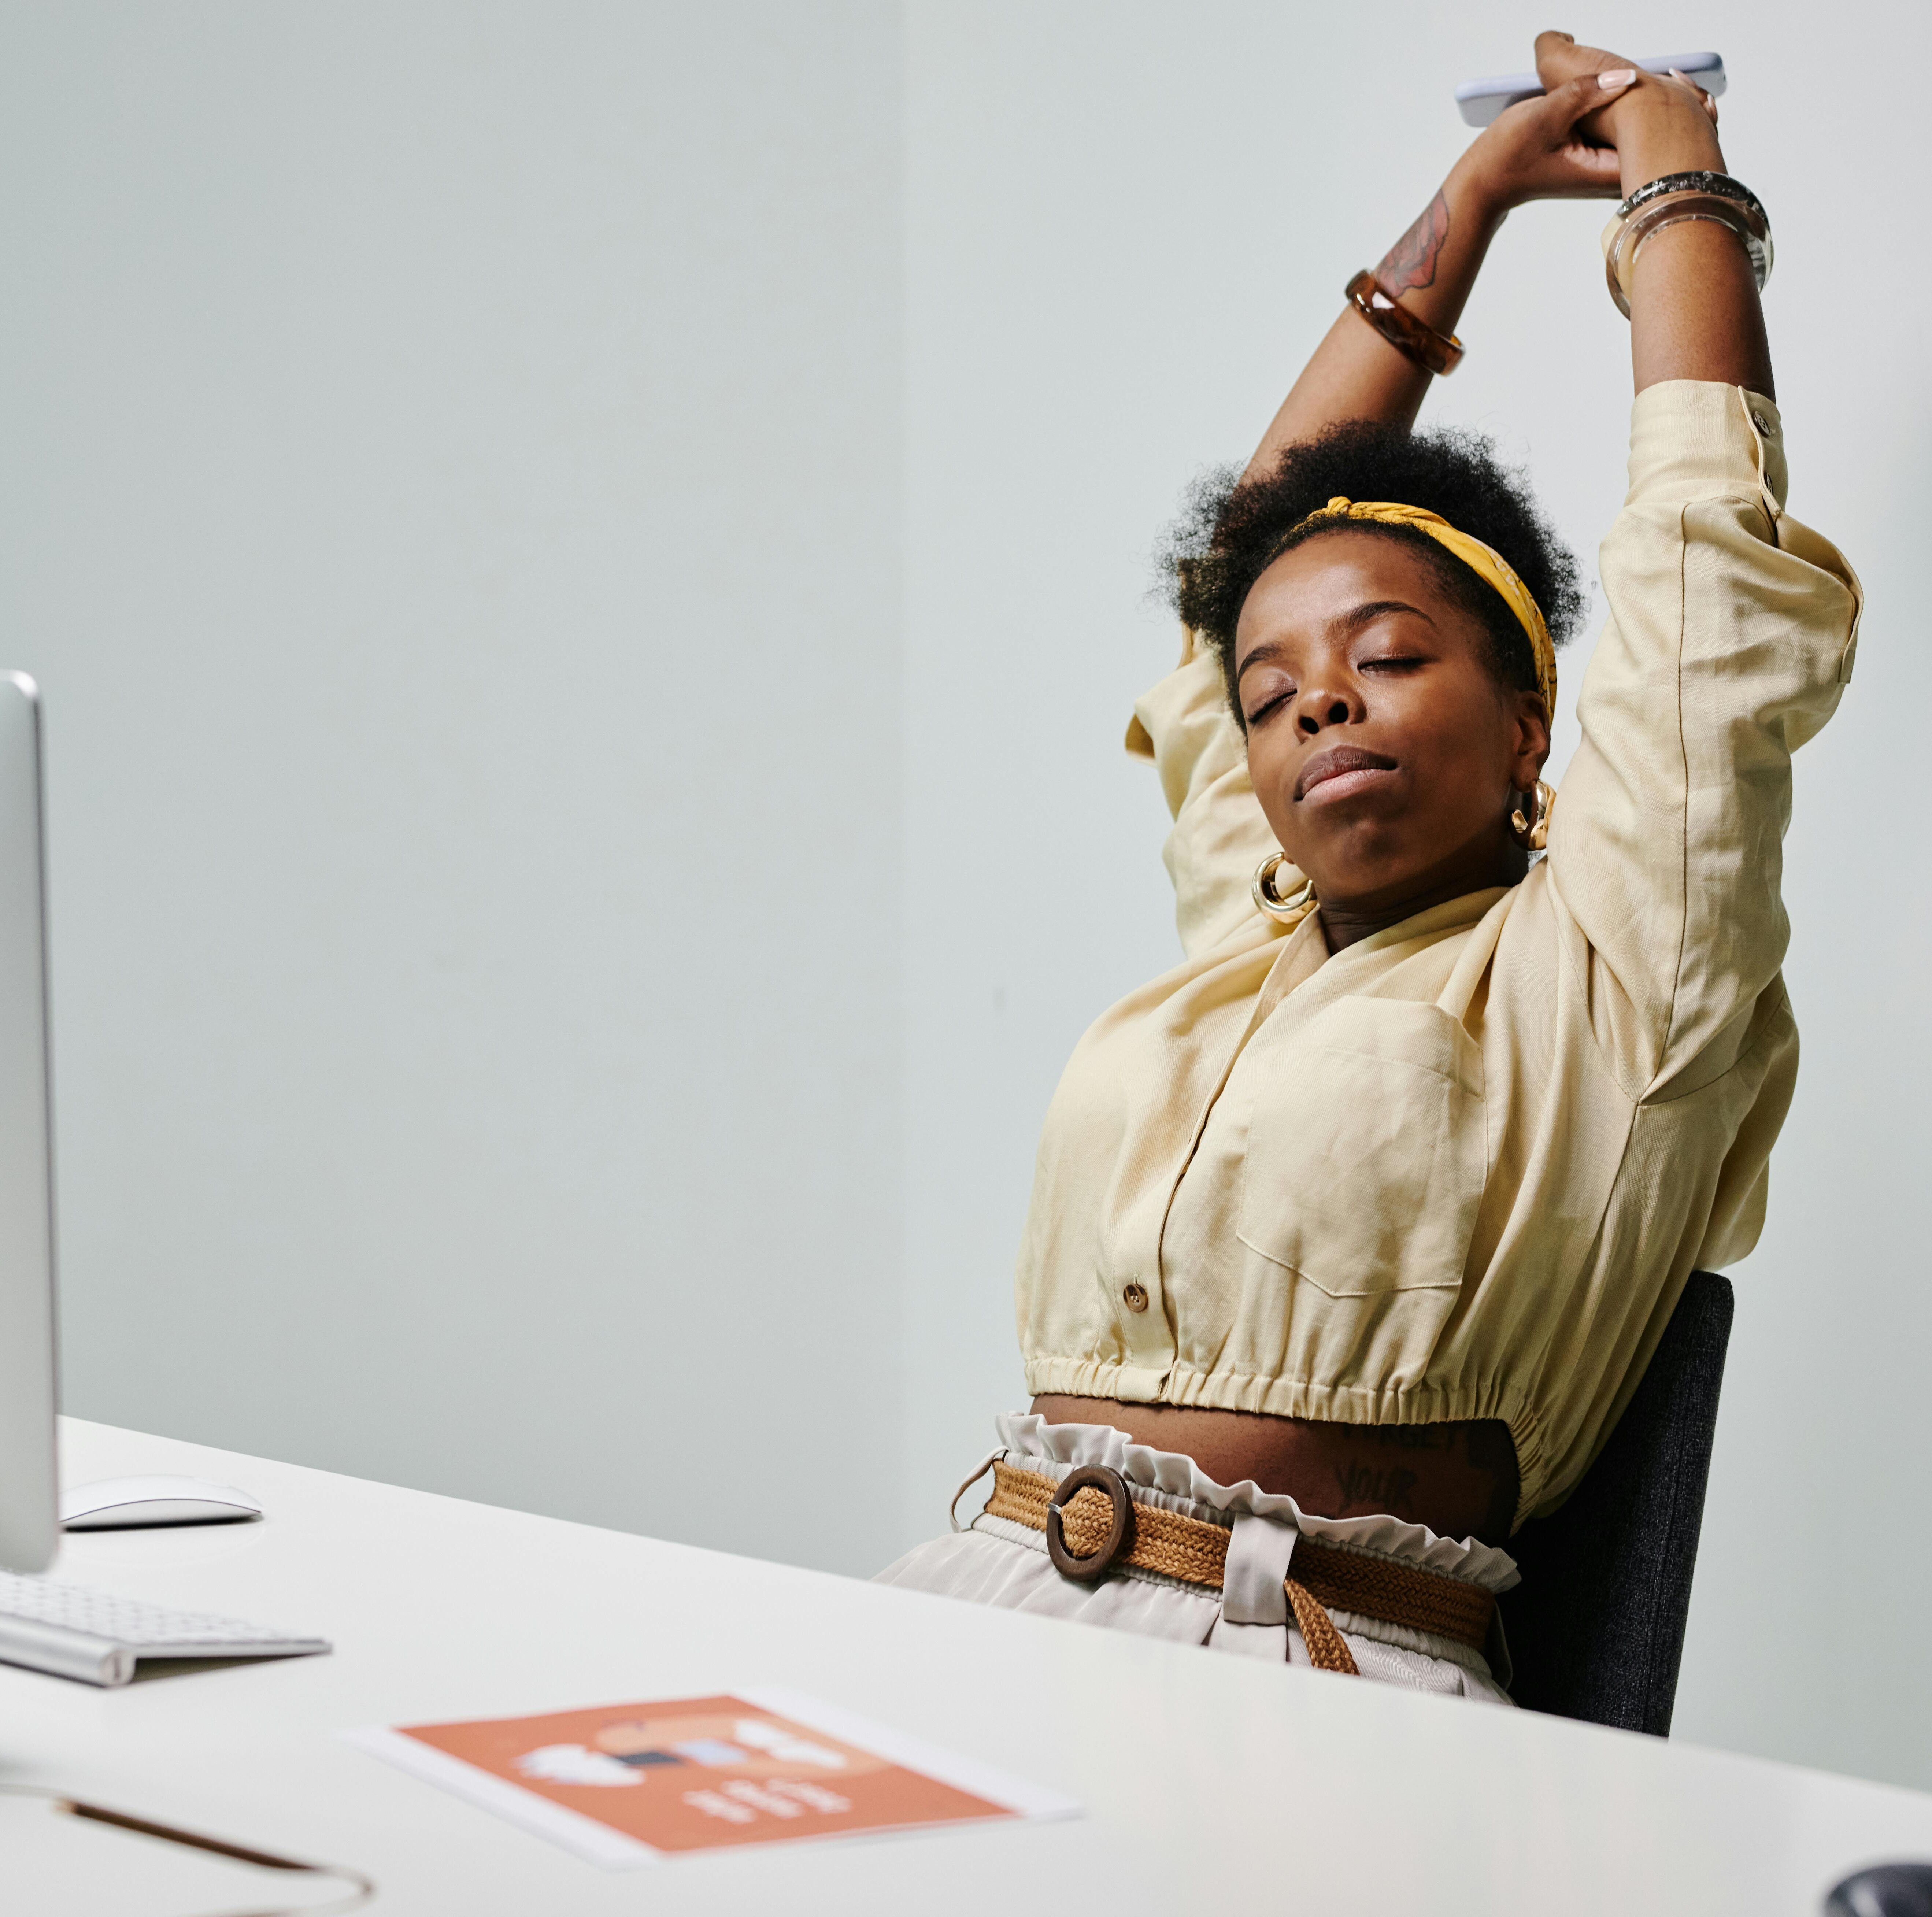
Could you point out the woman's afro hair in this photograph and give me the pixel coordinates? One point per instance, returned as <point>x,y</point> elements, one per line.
<point>1233,529</point>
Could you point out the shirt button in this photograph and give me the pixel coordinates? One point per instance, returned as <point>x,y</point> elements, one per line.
<point>1763,424</point>
<point>1136,1297</point>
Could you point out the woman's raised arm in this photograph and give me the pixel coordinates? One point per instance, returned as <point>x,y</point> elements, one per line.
<point>1694,308</point>
<point>1532,152</point>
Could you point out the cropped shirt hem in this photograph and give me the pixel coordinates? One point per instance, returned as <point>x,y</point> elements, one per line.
<point>1294,1397</point>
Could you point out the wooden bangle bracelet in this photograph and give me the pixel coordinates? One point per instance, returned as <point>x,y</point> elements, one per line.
<point>1414,338</point>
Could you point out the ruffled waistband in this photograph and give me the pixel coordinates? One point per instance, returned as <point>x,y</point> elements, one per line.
<point>1178,1482</point>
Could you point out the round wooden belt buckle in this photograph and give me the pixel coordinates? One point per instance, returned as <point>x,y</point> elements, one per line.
<point>1120,1537</point>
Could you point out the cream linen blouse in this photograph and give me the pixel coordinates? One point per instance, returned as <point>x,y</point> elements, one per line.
<point>1462,1168</point>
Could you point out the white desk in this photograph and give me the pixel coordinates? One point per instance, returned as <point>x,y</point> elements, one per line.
<point>1212,1783</point>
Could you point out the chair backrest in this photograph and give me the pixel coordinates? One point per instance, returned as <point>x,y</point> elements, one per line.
<point>1596,1628</point>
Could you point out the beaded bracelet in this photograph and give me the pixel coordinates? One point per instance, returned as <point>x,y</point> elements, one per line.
<point>1414,338</point>
<point>1671,199</point>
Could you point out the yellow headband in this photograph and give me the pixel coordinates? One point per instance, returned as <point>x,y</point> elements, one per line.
<point>1479,558</point>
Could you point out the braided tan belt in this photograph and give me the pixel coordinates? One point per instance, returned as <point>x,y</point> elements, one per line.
<point>1093,1523</point>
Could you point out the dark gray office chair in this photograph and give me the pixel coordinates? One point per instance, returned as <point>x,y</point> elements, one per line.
<point>1596,1628</point>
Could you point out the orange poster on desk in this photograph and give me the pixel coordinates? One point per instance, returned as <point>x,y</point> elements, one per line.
<point>632,1784</point>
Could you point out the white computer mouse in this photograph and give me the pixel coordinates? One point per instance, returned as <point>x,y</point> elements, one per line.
<point>128,1504</point>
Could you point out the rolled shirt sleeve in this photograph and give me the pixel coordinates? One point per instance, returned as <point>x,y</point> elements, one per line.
<point>1731,633</point>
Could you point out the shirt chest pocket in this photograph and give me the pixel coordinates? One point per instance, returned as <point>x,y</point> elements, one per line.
<point>1368,1149</point>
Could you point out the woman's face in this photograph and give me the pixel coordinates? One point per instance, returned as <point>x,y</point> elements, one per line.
<point>1385,752</point>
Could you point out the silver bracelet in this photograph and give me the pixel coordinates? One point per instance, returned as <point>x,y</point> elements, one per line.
<point>1722,184</point>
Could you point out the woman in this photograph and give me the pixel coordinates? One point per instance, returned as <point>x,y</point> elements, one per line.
<point>1351,1236</point>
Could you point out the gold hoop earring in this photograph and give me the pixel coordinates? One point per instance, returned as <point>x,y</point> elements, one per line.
<point>1532,833</point>
<point>1270,901</point>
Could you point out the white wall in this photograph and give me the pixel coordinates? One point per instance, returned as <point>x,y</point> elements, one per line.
<point>590,563</point>
<point>452,502</point>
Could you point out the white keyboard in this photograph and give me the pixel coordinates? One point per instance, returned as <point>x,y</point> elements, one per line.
<point>98,1637</point>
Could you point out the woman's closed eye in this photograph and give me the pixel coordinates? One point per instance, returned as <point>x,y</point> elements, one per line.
<point>1274,698</point>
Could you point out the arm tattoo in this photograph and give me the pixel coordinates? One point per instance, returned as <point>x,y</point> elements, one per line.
<point>1410,262</point>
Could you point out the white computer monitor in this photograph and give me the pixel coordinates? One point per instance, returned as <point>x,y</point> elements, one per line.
<point>29,1493</point>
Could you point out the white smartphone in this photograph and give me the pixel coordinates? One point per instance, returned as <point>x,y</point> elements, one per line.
<point>1479,101</point>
